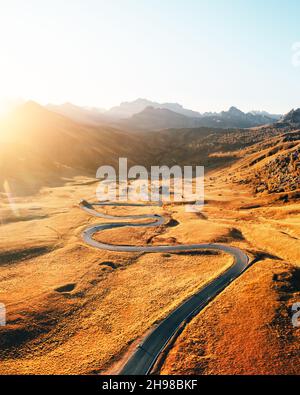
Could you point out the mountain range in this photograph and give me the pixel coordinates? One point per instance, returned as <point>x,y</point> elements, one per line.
<point>40,147</point>
<point>143,114</point>
<point>161,118</point>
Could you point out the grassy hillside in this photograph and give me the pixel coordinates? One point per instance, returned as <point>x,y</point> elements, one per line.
<point>272,166</point>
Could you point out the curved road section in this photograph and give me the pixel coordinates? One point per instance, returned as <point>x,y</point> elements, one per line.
<point>143,359</point>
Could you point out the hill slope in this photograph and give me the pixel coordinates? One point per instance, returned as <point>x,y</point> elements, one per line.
<point>272,165</point>
<point>39,147</point>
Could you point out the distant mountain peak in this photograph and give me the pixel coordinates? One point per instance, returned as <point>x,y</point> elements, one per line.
<point>141,100</point>
<point>128,109</point>
<point>235,111</point>
<point>292,117</point>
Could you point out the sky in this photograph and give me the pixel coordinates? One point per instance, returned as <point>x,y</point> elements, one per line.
<point>206,55</point>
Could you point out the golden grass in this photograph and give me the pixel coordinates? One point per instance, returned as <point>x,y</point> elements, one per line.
<point>73,309</point>
<point>246,330</point>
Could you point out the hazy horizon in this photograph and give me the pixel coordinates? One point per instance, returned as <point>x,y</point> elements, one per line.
<point>6,104</point>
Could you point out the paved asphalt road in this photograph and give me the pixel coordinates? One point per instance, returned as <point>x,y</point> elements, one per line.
<point>148,351</point>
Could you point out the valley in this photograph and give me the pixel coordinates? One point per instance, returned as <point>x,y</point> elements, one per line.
<point>73,309</point>
<point>149,194</point>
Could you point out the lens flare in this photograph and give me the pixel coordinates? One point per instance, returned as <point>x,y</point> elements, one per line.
<point>10,198</point>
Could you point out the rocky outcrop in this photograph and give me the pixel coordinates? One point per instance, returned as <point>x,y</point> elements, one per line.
<point>292,120</point>
<point>281,174</point>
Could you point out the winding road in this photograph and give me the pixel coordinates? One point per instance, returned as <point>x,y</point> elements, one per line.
<point>146,354</point>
